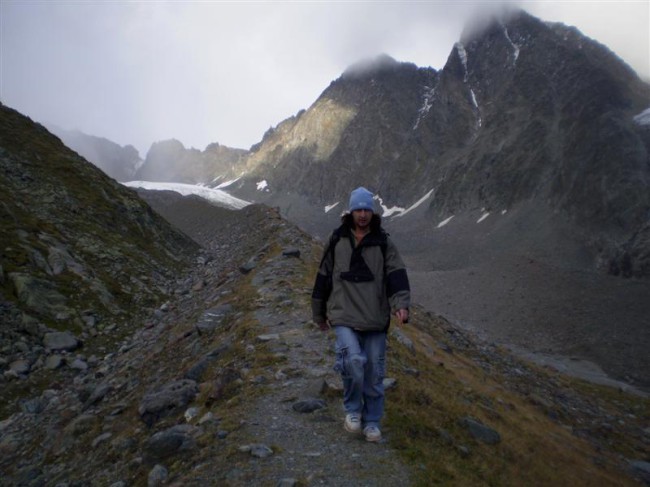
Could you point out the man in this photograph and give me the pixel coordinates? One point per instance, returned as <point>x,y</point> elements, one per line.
<point>361,278</point>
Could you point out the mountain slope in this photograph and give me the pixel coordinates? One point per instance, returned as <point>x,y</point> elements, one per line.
<point>81,254</point>
<point>116,161</point>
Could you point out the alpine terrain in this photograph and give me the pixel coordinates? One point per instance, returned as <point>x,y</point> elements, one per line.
<point>151,338</point>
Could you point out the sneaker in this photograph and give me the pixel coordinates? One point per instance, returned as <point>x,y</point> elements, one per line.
<point>352,423</point>
<point>372,433</point>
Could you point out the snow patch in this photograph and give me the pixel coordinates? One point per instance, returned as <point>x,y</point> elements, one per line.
<point>462,53</point>
<point>429,96</point>
<point>225,184</point>
<point>262,185</point>
<point>515,47</point>
<point>643,118</point>
<point>416,204</point>
<point>444,222</point>
<point>329,207</point>
<point>212,195</point>
<point>388,211</point>
<point>483,217</point>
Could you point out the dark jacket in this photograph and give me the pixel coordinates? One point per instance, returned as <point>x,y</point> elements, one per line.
<point>357,286</point>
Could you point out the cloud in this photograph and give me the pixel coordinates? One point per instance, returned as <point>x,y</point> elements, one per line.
<point>203,72</point>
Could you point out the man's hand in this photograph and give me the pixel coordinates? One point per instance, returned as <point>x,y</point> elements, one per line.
<point>402,316</point>
<point>324,326</point>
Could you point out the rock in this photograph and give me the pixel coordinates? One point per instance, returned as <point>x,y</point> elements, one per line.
<point>60,340</point>
<point>33,406</point>
<point>196,372</point>
<point>20,367</point>
<point>101,439</point>
<point>157,476</point>
<point>248,266</point>
<point>53,362</point>
<point>401,337</point>
<point>169,399</point>
<point>389,383</point>
<point>97,395</point>
<point>212,318</point>
<point>78,364</point>
<point>191,413</point>
<point>309,405</point>
<point>642,469</point>
<point>332,386</point>
<point>292,252</point>
<point>257,450</point>
<point>82,424</point>
<point>287,482</point>
<point>268,337</point>
<point>39,295</point>
<point>480,431</point>
<point>170,442</point>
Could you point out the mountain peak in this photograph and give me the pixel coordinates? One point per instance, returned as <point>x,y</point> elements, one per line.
<point>371,66</point>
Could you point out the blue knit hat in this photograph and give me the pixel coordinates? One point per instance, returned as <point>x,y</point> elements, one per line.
<point>361,199</point>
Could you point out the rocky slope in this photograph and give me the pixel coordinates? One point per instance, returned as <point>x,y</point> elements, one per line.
<point>228,383</point>
<point>116,161</point>
<point>82,256</point>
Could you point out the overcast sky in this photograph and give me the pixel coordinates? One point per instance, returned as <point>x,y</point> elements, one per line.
<point>137,72</point>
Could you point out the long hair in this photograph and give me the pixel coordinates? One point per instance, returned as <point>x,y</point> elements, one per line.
<point>375,221</point>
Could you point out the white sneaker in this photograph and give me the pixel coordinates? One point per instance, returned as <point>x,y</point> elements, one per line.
<point>352,423</point>
<point>372,433</point>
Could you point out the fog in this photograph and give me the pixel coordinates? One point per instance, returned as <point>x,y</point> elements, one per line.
<point>203,72</point>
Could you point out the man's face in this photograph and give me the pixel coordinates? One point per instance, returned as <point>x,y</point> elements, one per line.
<point>361,218</point>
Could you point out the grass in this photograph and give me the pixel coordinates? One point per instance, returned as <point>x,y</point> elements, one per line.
<point>423,420</point>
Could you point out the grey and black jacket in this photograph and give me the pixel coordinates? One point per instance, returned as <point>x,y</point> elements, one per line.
<point>358,286</point>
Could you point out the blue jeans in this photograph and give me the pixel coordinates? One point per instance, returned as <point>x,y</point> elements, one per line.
<point>361,361</point>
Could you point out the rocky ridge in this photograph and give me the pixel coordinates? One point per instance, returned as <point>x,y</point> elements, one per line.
<point>229,383</point>
<point>81,256</point>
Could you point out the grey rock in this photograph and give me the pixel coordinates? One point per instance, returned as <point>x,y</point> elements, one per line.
<point>401,337</point>
<point>157,476</point>
<point>248,266</point>
<point>213,317</point>
<point>169,399</point>
<point>101,439</point>
<point>53,362</point>
<point>268,337</point>
<point>641,469</point>
<point>309,405</point>
<point>169,442</point>
<point>389,383</point>
<point>60,340</point>
<point>480,431</point>
<point>39,295</point>
<point>20,367</point>
<point>292,252</point>
<point>33,406</point>
<point>257,450</point>
<point>97,394</point>
<point>78,364</point>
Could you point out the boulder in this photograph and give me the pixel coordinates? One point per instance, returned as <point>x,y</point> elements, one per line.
<point>60,340</point>
<point>169,399</point>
